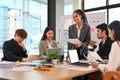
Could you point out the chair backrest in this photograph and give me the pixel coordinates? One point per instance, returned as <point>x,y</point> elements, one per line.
<point>112,75</point>
<point>118,69</point>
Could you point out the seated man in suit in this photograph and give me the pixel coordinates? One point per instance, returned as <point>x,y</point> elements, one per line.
<point>14,49</point>
<point>106,42</point>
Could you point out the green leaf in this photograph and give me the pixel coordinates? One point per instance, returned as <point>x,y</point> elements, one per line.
<point>53,55</point>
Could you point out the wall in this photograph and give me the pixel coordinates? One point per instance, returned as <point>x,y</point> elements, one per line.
<point>59,13</point>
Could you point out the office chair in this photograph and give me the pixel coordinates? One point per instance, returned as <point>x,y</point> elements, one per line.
<point>112,75</point>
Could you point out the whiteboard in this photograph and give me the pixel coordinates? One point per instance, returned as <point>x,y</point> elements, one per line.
<point>65,22</point>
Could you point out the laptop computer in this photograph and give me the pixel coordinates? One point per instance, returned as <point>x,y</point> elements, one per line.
<point>46,62</point>
<point>74,60</point>
<point>59,50</point>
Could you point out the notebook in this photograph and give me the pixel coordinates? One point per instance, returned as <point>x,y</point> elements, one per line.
<point>74,60</point>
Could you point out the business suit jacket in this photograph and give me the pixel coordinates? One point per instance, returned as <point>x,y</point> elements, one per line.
<point>43,48</point>
<point>12,51</point>
<point>104,50</point>
<point>84,37</point>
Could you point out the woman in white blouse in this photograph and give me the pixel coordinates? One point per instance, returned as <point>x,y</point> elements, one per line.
<point>114,56</point>
<point>47,42</point>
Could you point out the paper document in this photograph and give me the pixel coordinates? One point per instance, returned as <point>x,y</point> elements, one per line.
<point>80,68</point>
<point>23,68</point>
<point>63,66</point>
<point>74,41</point>
<point>93,56</point>
<point>29,63</point>
<point>7,64</point>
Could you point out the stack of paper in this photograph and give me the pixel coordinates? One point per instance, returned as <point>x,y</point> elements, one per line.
<point>23,68</point>
<point>30,63</point>
<point>7,64</point>
<point>74,41</point>
<point>80,68</point>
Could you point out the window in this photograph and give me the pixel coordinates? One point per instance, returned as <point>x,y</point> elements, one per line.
<point>114,1</point>
<point>68,8</point>
<point>94,3</point>
<point>28,14</point>
<point>114,14</point>
<point>37,21</point>
<point>113,8</point>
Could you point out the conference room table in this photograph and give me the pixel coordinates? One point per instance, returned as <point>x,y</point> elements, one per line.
<point>58,74</point>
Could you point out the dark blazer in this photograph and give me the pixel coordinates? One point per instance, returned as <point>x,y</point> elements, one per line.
<point>12,51</point>
<point>104,50</point>
<point>84,36</point>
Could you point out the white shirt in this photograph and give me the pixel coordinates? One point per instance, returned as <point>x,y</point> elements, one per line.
<point>79,29</point>
<point>49,44</point>
<point>114,59</point>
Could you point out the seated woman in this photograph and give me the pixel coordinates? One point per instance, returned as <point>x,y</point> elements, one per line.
<point>47,42</point>
<point>114,60</point>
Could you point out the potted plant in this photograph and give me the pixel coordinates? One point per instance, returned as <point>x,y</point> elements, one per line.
<point>54,57</point>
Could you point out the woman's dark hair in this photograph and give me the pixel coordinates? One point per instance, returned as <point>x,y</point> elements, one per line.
<point>44,37</point>
<point>115,25</point>
<point>80,12</point>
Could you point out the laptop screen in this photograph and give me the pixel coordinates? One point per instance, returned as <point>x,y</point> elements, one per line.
<point>73,56</point>
<point>59,50</point>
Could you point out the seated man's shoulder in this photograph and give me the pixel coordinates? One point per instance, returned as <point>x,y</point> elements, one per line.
<point>110,39</point>
<point>7,42</point>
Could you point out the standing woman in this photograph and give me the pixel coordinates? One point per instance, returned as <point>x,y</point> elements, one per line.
<point>80,30</point>
<point>47,42</point>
